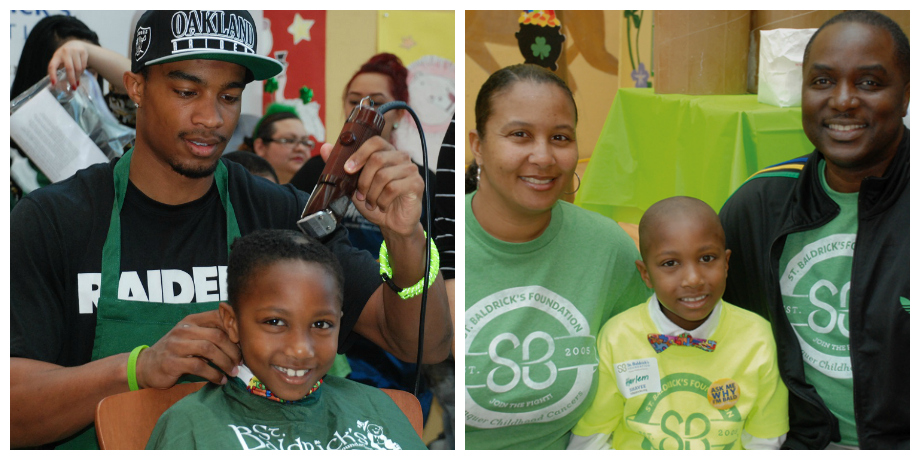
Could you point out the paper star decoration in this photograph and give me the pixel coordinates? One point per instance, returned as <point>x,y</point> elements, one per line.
<point>408,43</point>
<point>300,28</point>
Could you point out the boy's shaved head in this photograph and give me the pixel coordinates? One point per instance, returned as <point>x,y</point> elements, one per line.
<point>675,208</point>
<point>683,259</point>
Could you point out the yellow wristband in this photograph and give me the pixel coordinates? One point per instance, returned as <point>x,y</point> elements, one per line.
<point>386,272</point>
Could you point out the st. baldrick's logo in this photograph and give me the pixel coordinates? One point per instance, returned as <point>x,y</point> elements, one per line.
<point>530,358</point>
<point>681,417</point>
<point>817,308</point>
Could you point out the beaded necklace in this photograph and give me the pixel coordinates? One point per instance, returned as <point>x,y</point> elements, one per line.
<point>256,387</point>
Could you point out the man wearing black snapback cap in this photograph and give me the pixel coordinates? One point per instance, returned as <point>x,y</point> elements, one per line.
<point>134,253</point>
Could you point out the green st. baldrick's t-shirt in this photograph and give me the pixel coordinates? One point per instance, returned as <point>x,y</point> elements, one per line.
<point>816,267</point>
<point>340,415</point>
<point>533,311</point>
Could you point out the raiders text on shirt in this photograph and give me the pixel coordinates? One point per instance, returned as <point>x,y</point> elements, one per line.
<point>204,284</point>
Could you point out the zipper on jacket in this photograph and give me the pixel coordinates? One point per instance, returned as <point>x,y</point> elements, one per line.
<point>824,434</point>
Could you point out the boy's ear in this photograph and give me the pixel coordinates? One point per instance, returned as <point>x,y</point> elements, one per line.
<point>728,253</point>
<point>643,272</point>
<point>229,322</point>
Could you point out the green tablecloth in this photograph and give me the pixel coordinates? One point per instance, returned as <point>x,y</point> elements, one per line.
<point>658,145</point>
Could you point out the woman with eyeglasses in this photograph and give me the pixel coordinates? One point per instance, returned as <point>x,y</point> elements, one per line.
<point>280,138</point>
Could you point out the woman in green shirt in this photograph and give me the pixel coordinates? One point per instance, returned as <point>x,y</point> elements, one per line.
<point>542,275</point>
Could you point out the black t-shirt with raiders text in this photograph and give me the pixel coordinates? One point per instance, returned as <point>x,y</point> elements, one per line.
<point>170,254</point>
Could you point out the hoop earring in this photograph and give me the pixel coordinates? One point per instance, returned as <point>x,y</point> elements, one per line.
<point>478,175</point>
<point>576,188</point>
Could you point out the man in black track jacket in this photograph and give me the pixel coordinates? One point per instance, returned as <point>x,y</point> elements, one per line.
<point>820,245</point>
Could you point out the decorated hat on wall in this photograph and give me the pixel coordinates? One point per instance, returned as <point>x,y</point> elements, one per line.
<point>168,36</point>
<point>540,39</point>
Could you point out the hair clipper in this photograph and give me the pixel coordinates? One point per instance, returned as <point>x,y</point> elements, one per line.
<point>332,194</point>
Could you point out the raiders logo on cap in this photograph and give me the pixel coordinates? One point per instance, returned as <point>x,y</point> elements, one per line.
<point>141,42</point>
<point>169,36</point>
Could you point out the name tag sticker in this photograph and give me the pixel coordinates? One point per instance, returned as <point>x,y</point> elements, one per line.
<point>638,377</point>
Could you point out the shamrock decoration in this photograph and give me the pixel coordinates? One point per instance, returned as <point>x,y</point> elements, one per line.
<point>306,95</point>
<point>271,85</point>
<point>540,48</point>
<point>540,44</point>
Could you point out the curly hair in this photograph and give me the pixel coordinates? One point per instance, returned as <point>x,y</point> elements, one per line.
<point>259,249</point>
<point>390,66</point>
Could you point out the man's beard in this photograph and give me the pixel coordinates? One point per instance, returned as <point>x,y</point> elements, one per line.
<point>195,172</point>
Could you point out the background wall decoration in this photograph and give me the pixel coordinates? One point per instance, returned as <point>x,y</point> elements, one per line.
<point>432,95</point>
<point>424,41</point>
<point>413,34</point>
<point>588,63</point>
<point>298,40</point>
<point>636,43</point>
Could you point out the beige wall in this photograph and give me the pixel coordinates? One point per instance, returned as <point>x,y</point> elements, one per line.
<point>351,39</point>
<point>594,89</point>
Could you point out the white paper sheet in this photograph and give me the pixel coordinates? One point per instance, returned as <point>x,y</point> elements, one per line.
<point>52,139</point>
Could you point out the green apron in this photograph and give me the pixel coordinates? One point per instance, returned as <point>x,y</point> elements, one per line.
<point>122,325</point>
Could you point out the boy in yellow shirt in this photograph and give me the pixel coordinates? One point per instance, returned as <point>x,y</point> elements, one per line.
<point>685,370</point>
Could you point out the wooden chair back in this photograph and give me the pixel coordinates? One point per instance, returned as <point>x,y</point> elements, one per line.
<point>410,406</point>
<point>125,421</point>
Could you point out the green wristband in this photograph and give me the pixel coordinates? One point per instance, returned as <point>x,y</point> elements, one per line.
<point>132,367</point>
<point>386,272</point>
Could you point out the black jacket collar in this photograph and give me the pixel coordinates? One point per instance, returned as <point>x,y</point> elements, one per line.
<point>877,194</point>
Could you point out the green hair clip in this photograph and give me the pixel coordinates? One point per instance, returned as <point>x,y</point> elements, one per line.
<point>306,95</point>
<point>271,85</point>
